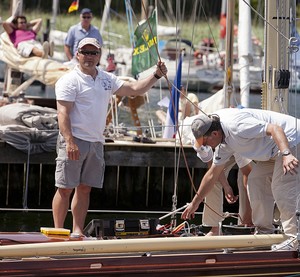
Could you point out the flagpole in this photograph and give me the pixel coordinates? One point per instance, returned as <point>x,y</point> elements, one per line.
<point>54,14</point>
<point>156,47</point>
<point>150,28</point>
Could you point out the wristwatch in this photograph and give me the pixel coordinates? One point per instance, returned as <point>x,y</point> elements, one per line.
<point>285,152</point>
<point>156,76</point>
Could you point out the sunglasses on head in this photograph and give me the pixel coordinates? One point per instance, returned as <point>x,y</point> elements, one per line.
<point>86,17</point>
<point>87,52</point>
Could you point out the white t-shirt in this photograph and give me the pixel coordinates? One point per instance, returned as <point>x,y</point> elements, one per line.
<point>91,98</point>
<point>245,133</point>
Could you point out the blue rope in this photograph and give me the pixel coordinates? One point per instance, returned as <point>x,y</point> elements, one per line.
<point>129,20</point>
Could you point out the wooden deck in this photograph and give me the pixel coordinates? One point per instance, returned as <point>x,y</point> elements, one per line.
<point>118,153</point>
<point>138,176</point>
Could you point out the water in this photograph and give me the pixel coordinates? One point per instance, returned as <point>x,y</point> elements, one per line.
<point>155,95</point>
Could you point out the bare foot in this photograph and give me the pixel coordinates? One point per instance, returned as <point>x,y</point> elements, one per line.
<point>77,235</point>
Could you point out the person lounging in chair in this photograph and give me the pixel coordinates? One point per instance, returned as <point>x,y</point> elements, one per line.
<point>23,35</point>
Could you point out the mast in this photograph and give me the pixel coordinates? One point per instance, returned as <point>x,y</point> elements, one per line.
<point>55,4</point>
<point>245,51</point>
<point>145,3</point>
<point>105,15</point>
<point>16,7</point>
<point>222,25</point>
<point>276,73</point>
<point>228,84</point>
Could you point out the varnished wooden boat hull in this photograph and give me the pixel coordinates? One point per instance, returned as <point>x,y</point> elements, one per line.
<point>32,254</point>
<point>251,263</point>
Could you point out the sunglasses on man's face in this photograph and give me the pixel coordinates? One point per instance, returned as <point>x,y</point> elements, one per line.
<point>86,17</point>
<point>90,53</point>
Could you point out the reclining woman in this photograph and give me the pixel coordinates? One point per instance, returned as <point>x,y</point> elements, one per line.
<point>23,35</point>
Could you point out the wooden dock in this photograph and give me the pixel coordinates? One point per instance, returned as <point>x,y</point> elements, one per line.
<point>138,176</point>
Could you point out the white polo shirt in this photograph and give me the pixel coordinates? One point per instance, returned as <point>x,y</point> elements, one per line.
<point>91,98</point>
<point>245,133</point>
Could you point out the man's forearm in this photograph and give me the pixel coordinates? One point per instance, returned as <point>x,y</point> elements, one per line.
<point>279,137</point>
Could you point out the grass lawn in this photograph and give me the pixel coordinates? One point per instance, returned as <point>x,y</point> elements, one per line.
<point>194,32</point>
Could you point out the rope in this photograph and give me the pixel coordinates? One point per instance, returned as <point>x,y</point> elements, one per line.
<point>181,149</point>
<point>225,214</point>
<point>129,20</point>
<point>25,196</point>
<point>176,167</point>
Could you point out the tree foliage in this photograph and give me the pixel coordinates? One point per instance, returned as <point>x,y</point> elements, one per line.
<point>45,6</point>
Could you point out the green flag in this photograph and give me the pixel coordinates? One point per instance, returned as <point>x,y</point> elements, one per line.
<point>144,52</point>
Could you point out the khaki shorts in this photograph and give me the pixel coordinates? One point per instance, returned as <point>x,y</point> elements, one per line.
<point>25,47</point>
<point>88,170</point>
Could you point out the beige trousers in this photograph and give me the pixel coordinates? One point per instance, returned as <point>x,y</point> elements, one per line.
<point>213,211</point>
<point>266,184</point>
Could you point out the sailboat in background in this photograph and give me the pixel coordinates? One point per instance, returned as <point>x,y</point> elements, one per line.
<point>202,74</point>
<point>203,66</point>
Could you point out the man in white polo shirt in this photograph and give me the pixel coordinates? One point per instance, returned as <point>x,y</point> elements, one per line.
<point>270,139</point>
<point>82,101</point>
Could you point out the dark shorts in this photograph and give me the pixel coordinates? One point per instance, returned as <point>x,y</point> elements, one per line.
<point>88,170</point>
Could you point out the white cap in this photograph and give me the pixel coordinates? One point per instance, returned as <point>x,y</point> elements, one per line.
<point>89,41</point>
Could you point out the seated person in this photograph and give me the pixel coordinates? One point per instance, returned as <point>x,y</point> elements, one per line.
<point>23,35</point>
<point>188,104</point>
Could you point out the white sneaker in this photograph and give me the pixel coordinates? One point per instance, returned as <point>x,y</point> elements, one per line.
<point>51,49</point>
<point>46,48</point>
<point>287,245</point>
